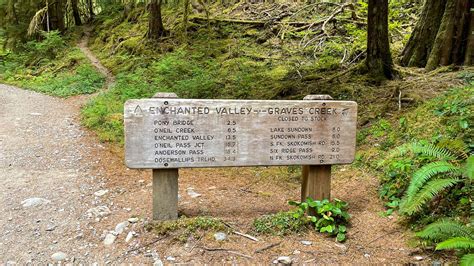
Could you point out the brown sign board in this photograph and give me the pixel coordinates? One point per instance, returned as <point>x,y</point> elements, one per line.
<point>182,133</point>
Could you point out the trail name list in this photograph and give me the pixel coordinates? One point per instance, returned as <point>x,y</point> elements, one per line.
<point>179,133</point>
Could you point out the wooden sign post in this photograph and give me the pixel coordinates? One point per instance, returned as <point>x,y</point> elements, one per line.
<point>166,133</point>
<point>165,185</point>
<point>316,179</point>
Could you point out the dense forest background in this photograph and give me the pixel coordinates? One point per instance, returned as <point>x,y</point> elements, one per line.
<point>407,63</point>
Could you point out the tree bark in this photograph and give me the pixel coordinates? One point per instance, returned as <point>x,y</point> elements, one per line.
<point>421,40</point>
<point>75,13</point>
<point>469,57</point>
<point>56,15</point>
<point>442,36</point>
<point>379,58</point>
<point>156,30</point>
<point>90,5</point>
<point>452,39</point>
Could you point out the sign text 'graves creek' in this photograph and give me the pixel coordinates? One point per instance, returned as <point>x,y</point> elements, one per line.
<point>179,133</point>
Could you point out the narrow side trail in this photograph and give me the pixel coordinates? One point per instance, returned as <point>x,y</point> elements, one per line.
<point>82,44</point>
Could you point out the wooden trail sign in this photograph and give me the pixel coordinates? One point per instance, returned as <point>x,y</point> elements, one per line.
<point>166,133</point>
<point>179,133</point>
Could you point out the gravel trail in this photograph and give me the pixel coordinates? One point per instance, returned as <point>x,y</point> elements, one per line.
<point>45,185</point>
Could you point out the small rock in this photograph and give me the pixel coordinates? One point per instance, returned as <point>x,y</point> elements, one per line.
<point>50,228</point>
<point>99,211</point>
<point>59,256</point>
<point>33,202</point>
<point>170,258</point>
<point>296,252</point>
<point>418,258</point>
<point>193,194</point>
<point>341,246</point>
<point>436,263</point>
<point>119,228</point>
<point>129,236</point>
<point>285,260</point>
<point>133,220</point>
<point>220,236</point>
<point>306,242</point>
<point>109,239</point>
<point>158,262</point>
<point>366,255</point>
<point>101,192</point>
<point>212,188</point>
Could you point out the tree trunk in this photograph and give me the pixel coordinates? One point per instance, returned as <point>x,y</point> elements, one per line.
<point>75,13</point>
<point>379,59</point>
<point>156,29</point>
<point>442,36</point>
<point>469,57</point>
<point>56,15</point>
<point>90,5</point>
<point>421,40</point>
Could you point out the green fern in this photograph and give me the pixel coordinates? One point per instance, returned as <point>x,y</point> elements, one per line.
<point>456,146</point>
<point>424,149</point>
<point>427,172</point>
<point>412,205</point>
<point>469,168</point>
<point>456,243</point>
<point>445,229</point>
<point>467,260</point>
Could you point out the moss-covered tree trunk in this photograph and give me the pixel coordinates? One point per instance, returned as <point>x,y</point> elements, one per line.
<point>442,36</point>
<point>90,6</point>
<point>421,40</point>
<point>56,15</point>
<point>75,13</point>
<point>469,57</point>
<point>379,59</point>
<point>156,29</point>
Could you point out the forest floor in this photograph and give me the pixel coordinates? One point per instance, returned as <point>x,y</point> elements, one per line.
<point>48,155</point>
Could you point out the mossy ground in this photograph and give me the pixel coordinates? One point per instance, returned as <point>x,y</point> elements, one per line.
<point>51,66</point>
<point>183,228</point>
<point>233,60</point>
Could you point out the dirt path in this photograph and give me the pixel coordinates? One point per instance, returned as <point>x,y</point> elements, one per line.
<point>82,44</point>
<point>45,179</point>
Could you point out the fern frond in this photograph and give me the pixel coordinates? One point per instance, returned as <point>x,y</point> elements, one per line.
<point>430,190</point>
<point>456,243</point>
<point>467,260</point>
<point>456,146</point>
<point>445,229</point>
<point>427,172</point>
<point>424,149</point>
<point>469,168</point>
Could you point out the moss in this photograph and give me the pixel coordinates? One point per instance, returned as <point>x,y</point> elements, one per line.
<point>282,223</point>
<point>183,228</point>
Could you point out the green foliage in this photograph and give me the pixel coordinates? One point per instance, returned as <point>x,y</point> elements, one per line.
<point>282,223</point>
<point>456,243</point>
<point>467,260</point>
<point>183,228</point>
<point>426,182</point>
<point>427,143</point>
<point>412,205</point>
<point>326,217</point>
<point>445,229</point>
<point>450,234</point>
